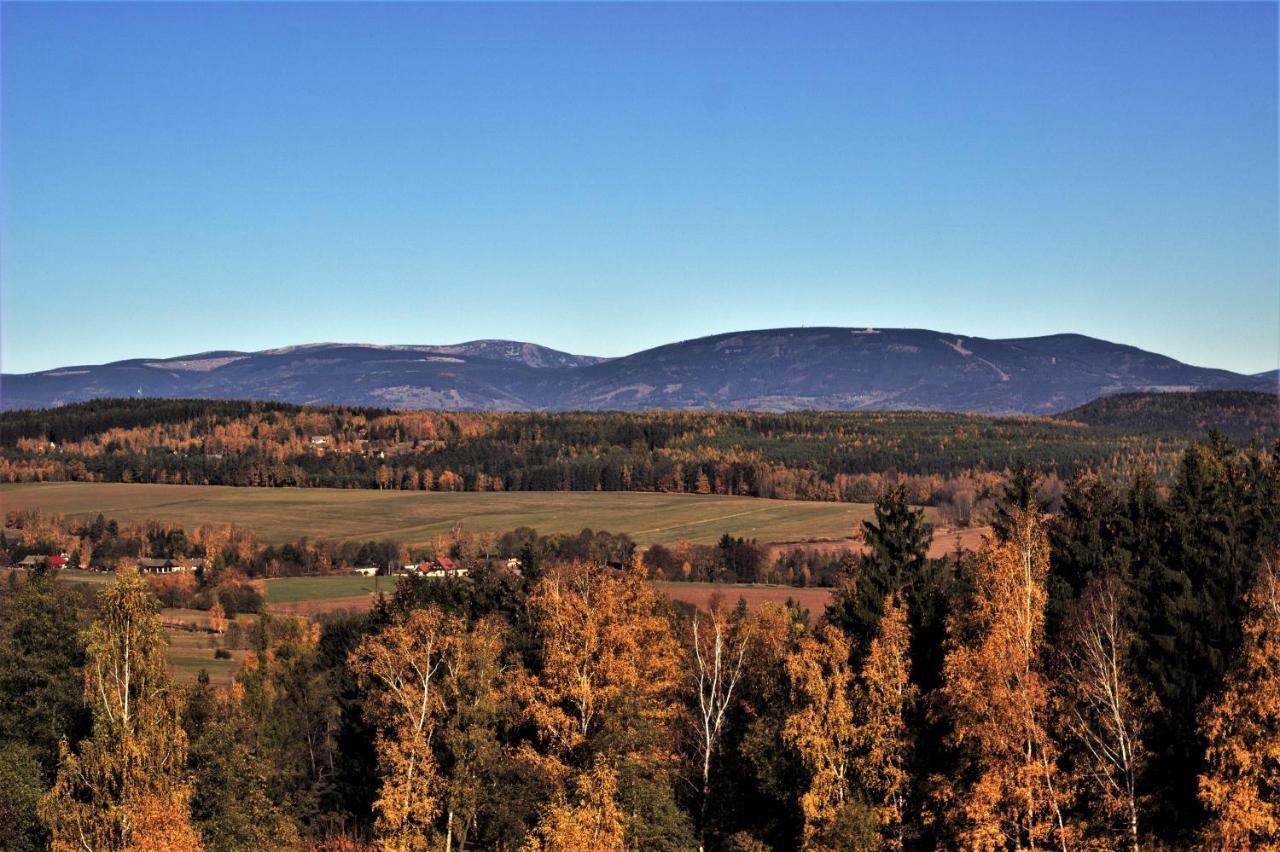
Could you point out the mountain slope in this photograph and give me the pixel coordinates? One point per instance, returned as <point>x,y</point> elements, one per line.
<point>1240,415</point>
<point>770,370</point>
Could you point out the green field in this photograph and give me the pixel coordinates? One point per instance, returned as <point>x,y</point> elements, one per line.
<point>294,589</point>
<point>280,515</point>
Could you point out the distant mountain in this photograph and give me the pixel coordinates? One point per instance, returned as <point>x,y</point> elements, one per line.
<point>773,370</point>
<point>1240,415</point>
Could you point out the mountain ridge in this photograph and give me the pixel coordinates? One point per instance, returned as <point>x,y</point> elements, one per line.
<point>780,369</point>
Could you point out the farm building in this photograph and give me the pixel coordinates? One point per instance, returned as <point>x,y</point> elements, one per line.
<point>35,561</point>
<point>168,566</point>
<point>443,567</point>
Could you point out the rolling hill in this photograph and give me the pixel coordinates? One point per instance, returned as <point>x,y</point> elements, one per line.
<point>773,370</point>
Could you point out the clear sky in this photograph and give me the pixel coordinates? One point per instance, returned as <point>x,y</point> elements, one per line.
<point>605,178</point>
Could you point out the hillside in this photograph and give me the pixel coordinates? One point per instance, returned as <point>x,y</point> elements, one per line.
<point>847,456</point>
<point>1240,415</point>
<point>839,369</point>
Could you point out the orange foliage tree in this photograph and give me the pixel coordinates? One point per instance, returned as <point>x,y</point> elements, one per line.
<point>1009,793</point>
<point>593,821</point>
<point>1241,787</point>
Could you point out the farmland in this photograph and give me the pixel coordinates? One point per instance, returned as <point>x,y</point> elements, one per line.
<point>280,515</point>
<point>813,599</point>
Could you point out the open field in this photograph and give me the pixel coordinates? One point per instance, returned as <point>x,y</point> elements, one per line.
<point>699,594</point>
<point>189,652</point>
<point>280,515</point>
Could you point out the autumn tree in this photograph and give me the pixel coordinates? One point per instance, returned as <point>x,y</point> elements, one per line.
<point>717,651</point>
<point>760,772</point>
<point>606,688</point>
<point>1104,708</point>
<point>1241,785</point>
<point>590,820</point>
<point>217,617</point>
<point>476,693</point>
<point>823,729</point>
<point>401,669</point>
<point>882,734</point>
<point>231,806</point>
<point>126,786</point>
<point>1009,792</point>
<point>288,690</point>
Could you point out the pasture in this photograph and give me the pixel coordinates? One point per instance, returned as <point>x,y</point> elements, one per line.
<point>280,515</point>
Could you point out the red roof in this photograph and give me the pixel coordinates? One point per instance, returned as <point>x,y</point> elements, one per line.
<point>56,561</point>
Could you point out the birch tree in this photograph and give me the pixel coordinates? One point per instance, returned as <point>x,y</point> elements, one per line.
<point>1105,708</point>
<point>718,652</point>
<point>126,786</point>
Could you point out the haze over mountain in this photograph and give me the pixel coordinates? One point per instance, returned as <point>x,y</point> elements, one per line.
<point>769,370</point>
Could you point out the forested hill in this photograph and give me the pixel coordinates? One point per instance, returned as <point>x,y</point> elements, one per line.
<point>1240,415</point>
<point>846,456</point>
<point>786,369</point>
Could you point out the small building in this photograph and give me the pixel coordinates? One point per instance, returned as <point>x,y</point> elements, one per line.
<point>366,571</point>
<point>37,560</point>
<point>443,567</point>
<point>167,566</point>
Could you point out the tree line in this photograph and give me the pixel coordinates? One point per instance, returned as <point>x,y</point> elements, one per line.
<point>1106,676</point>
<point>848,456</point>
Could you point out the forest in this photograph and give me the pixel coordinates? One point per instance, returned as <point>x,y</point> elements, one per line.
<point>1106,675</point>
<point>950,460</point>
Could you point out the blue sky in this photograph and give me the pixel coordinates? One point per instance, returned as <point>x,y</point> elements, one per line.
<point>604,178</point>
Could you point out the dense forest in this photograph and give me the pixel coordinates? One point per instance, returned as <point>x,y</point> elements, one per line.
<point>1104,676</point>
<point>942,459</point>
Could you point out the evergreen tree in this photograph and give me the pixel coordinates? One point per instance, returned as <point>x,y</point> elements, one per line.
<point>897,546</point>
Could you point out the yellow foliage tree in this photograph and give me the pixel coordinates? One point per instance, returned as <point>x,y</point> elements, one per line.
<point>1104,708</point>
<point>1241,787</point>
<point>823,729</point>
<point>998,699</point>
<point>401,668</point>
<point>217,617</point>
<point>609,666</point>
<point>882,734</point>
<point>594,821</point>
<point>126,786</point>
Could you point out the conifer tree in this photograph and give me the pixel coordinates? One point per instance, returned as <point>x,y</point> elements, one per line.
<point>897,543</point>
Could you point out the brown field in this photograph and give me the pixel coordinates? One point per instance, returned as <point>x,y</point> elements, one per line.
<point>945,541</point>
<point>813,599</point>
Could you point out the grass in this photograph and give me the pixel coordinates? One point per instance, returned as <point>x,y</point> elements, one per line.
<point>189,652</point>
<point>280,515</point>
<point>293,589</point>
